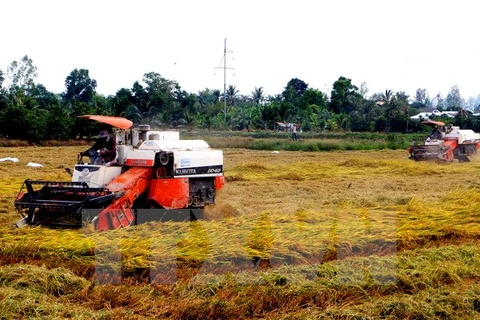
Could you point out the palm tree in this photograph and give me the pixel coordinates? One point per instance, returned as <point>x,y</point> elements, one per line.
<point>257,95</point>
<point>216,93</point>
<point>387,95</point>
<point>231,94</point>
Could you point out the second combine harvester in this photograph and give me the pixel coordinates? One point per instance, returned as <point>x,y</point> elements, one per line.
<point>446,143</point>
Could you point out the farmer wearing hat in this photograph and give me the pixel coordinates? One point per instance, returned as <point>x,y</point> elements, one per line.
<point>104,149</point>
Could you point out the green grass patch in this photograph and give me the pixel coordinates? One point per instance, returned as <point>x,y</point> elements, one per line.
<point>309,141</point>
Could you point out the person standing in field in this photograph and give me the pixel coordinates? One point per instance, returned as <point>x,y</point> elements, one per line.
<point>294,132</point>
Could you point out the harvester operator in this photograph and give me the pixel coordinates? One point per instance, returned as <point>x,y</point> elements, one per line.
<point>436,133</point>
<point>104,149</point>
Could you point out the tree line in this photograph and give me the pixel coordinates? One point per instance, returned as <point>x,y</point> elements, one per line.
<point>29,111</point>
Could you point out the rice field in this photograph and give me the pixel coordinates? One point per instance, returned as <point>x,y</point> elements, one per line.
<point>294,235</point>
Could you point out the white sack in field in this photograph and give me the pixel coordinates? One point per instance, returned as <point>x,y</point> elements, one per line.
<point>9,159</point>
<point>34,165</point>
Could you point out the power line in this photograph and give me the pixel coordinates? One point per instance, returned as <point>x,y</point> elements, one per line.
<point>225,77</point>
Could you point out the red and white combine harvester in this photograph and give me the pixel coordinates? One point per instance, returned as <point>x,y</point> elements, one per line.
<point>153,170</point>
<point>446,143</point>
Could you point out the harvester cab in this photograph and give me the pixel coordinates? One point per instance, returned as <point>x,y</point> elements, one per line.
<point>152,170</point>
<point>446,143</point>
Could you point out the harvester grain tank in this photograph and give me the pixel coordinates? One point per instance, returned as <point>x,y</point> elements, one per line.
<point>152,170</point>
<point>446,143</point>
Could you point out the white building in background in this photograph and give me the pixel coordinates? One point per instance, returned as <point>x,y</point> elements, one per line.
<point>429,114</point>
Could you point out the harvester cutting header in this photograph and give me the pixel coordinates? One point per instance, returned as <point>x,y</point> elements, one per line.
<point>446,143</point>
<point>152,170</point>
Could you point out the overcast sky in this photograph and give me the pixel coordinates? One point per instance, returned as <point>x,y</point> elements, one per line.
<point>401,45</point>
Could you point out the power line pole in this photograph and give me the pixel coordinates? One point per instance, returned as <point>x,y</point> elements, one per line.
<point>225,78</point>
